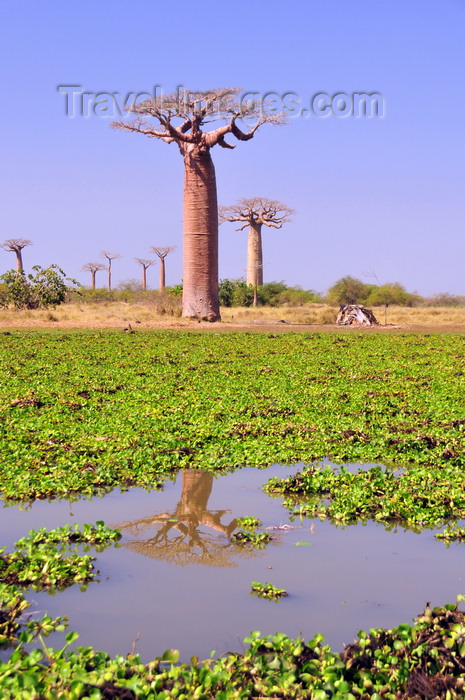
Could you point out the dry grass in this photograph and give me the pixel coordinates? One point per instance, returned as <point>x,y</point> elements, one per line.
<point>323,314</point>
<point>313,314</point>
<point>119,314</point>
<point>401,315</point>
<point>99,315</point>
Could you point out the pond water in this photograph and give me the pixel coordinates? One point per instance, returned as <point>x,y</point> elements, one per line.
<point>177,581</point>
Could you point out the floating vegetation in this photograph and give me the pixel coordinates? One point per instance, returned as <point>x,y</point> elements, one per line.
<point>267,590</point>
<point>408,662</point>
<point>84,412</point>
<point>452,533</point>
<point>249,522</point>
<point>417,499</point>
<point>253,539</point>
<point>37,561</point>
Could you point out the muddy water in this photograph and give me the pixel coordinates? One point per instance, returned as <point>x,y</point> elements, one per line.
<point>177,581</point>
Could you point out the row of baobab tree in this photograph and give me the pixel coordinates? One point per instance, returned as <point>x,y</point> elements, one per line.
<point>145,263</point>
<point>16,245</point>
<point>252,213</point>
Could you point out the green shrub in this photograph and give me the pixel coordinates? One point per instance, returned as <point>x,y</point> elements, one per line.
<point>48,287</point>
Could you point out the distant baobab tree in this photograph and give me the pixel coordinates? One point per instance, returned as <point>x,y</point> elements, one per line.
<point>93,268</point>
<point>162,253</point>
<point>255,213</point>
<point>180,117</point>
<point>145,265</point>
<point>109,257</point>
<point>16,245</point>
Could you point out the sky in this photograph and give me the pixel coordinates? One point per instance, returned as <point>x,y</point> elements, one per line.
<point>379,198</point>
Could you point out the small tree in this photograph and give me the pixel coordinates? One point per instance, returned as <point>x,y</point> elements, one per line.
<point>181,118</point>
<point>162,253</point>
<point>93,268</point>
<point>349,290</point>
<point>16,245</point>
<point>392,293</point>
<point>145,265</point>
<point>48,287</point>
<point>235,292</point>
<point>255,213</point>
<point>109,257</point>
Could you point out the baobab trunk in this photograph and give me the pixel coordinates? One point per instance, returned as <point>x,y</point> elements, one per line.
<point>93,273</point>
<point>200,269</point>
<point>19,261</point>
<point>162,275</point>
<point>255,255</point>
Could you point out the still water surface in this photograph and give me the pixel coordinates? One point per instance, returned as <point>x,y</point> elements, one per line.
<point>176,581</point>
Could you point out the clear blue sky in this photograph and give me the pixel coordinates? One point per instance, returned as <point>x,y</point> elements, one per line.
<point>381,196</point>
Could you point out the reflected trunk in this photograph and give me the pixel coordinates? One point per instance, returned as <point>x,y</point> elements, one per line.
<point>180,537</point>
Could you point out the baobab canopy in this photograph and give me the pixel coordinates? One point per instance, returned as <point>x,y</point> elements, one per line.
<point>195,109</point>
<point>16,245</point>
<point>183,117</point>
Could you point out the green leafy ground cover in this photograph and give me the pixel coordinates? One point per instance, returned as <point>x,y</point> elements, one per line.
<point>89,411</point>
<point>85,412</point>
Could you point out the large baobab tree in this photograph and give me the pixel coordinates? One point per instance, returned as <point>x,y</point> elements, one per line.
<point>255,213</point>
<point>109,257</point>
<point>145,264</point>
<point>162,253</point>
<point>93,268</point>
<point>182,117</point>
<point>16,245</point>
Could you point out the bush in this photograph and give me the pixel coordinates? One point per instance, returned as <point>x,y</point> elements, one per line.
<point>237,293</point>
<point>445,299</point>
<point>349,290</point>
<point>48,287</point>
<point>277,294</point>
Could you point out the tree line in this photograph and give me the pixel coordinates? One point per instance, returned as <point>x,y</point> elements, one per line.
<point>50,286</point>
<point>160,251</point>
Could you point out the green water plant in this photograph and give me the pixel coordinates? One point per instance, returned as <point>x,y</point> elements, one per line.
<point>82,412</point>
<point>37,561</point>
<point>250,522</point>
<point>419,660</point>
<point>252,539</point>
<point>452,533</point>
<point>98,536</point>
<point>12,606</point>
<point>267,590</point>
<point>417,498</point>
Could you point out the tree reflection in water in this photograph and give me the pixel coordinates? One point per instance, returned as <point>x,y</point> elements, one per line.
<point>180,537</point>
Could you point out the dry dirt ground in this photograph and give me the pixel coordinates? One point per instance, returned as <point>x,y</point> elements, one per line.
<point>40,321</point>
